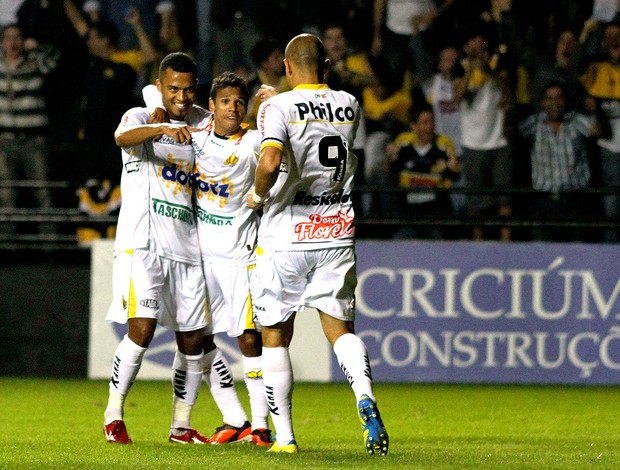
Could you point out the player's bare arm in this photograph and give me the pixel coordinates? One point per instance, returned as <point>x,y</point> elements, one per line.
<point>129,136</point>
<point>266,175</point>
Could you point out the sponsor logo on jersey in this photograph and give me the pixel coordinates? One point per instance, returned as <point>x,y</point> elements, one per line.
<point>178,176</point>
<point>324,111</point>
<point>166,139</point>
<point>132,167</point>
<point>214,190</point>
<point>173,211</point>
<point>213,219</point>
<point>149,303</point>
<point>302,198</point>
<point>320,227</point>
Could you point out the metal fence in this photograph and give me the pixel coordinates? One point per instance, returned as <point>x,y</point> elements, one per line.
<point>376,217</point>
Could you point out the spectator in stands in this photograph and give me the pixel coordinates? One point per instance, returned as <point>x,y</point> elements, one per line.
<point>439,92</point>
<point>398,36</point>
<point>139,59</point>
<point>23,116</point>
<point>563,67</point>
<point>268,57</point>
<point>386,106</point>
<point>110,87</point>
<point>157,19</point>
<point>484,95</point>
<point>560,163</point>
<point>424,163</point>
<point>239,25</point>
<point>601,84</point>
<point>349,70</point>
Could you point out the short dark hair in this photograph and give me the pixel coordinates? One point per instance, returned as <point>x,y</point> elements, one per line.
<point>229,79</point>
<point>179,62</point>
<point>419,109</point>
<point>555,83</point>
<point>107,30</point>
<point>263,49</point>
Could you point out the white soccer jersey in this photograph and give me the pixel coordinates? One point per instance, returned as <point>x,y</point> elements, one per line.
<point>310,205</point>
<point>224,172</point>
<point>156,190</point>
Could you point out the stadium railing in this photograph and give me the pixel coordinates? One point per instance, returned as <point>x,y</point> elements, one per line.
<point>25,227</point>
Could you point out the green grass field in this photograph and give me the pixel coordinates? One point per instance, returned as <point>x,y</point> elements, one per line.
<point>50,423</point>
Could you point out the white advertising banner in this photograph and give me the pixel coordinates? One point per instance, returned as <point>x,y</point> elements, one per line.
<point>310,351</point>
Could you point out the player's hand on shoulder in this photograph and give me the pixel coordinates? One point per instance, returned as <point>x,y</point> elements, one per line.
<point>265,92</point>
<point>159,116</point>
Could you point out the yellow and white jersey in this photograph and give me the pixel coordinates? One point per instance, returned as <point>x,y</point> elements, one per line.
<point>310,205</point>
<point>156,190</point>
<point>224,173</point>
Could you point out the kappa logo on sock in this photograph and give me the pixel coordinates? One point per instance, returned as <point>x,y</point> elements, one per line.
<point>180,377</point>
<point>271,401</point>
<point>226,380</point>
<point>164,347</point>
<point>114,380</point>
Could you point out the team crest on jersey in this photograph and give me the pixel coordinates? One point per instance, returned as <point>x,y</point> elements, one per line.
<point>177,175</point>
<point>232,160</point>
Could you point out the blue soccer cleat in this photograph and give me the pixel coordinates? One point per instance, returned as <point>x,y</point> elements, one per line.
<point>375,436</point>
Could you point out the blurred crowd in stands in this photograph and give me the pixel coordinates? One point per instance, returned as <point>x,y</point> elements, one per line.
<point>465,101</point>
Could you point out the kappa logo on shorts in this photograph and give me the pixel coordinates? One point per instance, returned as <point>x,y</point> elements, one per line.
<point>150,303</point>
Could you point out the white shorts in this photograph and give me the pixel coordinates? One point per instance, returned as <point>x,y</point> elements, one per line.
<point>146,285</point>
<point>287,281</point>
<point>228,298</point>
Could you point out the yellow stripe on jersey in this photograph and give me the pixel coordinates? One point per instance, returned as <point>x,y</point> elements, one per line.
<point>312,86</point>
<point>272,143</point>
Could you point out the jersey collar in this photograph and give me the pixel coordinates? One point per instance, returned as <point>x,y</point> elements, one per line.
<point>312,86</point>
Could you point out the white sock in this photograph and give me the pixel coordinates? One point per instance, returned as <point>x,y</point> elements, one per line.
<point>253,378</point>
<point>278,379</point>
<point>186,378</point>
<point>353,360</point>
<point>217,375</point>
<point>125,366</point>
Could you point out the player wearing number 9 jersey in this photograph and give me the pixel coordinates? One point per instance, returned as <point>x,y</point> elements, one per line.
<point>310,205</point>
<point>306,255</point>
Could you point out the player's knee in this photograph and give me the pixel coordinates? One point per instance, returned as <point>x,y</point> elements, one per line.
<point>141,331</point>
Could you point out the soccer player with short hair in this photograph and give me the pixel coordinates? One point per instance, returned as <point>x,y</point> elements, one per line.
<point>226,159</point>
<point>306,251</point>
<point>226,156</point>
<point>157,272</point>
